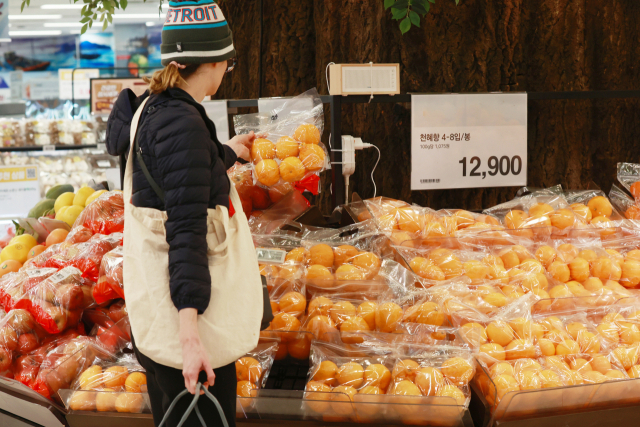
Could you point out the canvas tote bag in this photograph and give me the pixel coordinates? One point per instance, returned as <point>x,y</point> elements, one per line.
<point>230,327</point>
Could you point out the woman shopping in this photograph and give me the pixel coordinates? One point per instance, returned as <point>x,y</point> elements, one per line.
<point>192,283</point>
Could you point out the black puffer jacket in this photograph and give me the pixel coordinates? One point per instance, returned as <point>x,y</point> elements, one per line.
<point>182,152</point>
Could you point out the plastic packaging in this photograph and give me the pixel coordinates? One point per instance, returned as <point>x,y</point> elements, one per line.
<point>289,150</point>
<point>253,369</point>
<point>629,176</point>
<point>57,302</point>
<point>105,215</point>
<point>14,285</point>
<point>110,283</point>
<point>623,203</point>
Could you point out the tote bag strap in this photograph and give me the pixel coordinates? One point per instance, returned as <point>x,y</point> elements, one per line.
<point>136,147</point>
<point>193,405</point>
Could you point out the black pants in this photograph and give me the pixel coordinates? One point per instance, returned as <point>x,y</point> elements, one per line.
<point>165,383</point>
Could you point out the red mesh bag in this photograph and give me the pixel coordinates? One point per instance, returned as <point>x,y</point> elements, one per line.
<point>58,301</point>
<point>109,285</point>
<point>105,215</point>
<point>14,285</point>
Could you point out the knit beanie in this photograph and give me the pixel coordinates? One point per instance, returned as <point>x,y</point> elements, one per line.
<point>196,32</point>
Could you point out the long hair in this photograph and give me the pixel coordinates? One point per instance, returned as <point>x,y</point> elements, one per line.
<point>169,77</point>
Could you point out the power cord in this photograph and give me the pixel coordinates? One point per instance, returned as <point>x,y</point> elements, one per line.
<point>367,145</point>
<point>326,75</point>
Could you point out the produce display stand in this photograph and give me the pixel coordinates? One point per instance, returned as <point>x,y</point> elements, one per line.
<point>19,400</point>
<point>607,404</point>
<point>48,148</point>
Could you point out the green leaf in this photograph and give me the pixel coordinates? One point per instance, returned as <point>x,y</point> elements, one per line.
<point>105,25</point>
<point>420,8</point>
<point>22,6</point>
<point>401,4</point>
<point>415,19</point>
<point>102,17</point>
<point>405,25</point>
<point>110,18</point>
<point>84,28</point>
<point>457,2</point>
<point>398,13</point>
<point>388,3</point>
<point>432,1</point>
<point>90,24</point>
<point>123,4</point>
<point>84,20</point>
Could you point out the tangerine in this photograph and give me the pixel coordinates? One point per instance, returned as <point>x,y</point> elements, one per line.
<point>267,172</point>
<point>262,149</point>
<point>292,169</point>
<point>287,147</point>
<point>307,134</point>
<point>312,157</point>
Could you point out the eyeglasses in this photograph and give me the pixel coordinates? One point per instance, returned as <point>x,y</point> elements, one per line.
<point>231,64</point>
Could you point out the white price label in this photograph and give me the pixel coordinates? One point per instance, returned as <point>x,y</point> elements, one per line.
<point>40,272</point>
<point>468,141</point>
<point>48,148</point>
<point>103,163</point>
<point>64,273</point>
<point>271,256</point>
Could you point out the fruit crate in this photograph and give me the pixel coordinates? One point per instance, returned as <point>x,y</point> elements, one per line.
<point>611,403</point>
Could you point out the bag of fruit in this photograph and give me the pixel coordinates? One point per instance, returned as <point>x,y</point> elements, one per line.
<point>109,285</point>
<point>252,371</point>
<point>289,150</point>
<point>629,177</point>
<point>14,285</point>
<point>57,302</point>
<point>105,215</point>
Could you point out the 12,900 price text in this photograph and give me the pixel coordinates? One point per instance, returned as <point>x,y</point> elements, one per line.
<point>504,165</point>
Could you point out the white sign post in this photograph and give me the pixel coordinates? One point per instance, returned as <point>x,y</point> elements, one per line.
<point>468,141</point>
<point>19,190</point>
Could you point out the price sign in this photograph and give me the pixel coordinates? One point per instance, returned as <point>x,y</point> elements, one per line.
<point>19,190</point>
<point>468,141</point>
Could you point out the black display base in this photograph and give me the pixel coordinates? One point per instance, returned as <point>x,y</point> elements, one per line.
<point>96,419</point>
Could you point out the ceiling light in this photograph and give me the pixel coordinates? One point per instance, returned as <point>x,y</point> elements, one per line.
<point>29,17</point>
<point>152,24</point>
<point>5,40</point>
<point>62,24</point>
<point>139,16</point>
<point>35,33</point>
<point>62,6</point>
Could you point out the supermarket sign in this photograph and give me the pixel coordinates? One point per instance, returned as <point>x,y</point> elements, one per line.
<point>19,190</point>
<point>468,141</point>
<point>76,82</point>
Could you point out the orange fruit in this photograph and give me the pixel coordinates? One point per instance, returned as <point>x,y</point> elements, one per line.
<point>429,380</point>
<point>457,370</point>
<point>350,374</point>
<point>300,255</point>
<point>35,251</point>
<point>248,369</point>
<point>367,311</point>
<point>500,332</point>
<point>349,272</point>
<point>245,389</point>
<point>135,381</point>
<point>321,254</point>
<point>474,334</point>
<point>369,262</point>
<point>563,218</point>
<point>600,206</point>
<point>115,376</point>
<point>312,157</point>
<point>262,149</point>
<point>322,327</point>
<point>9,266</point>
<point>300,347</point>
<point>106,400</point>
<point>377,375</point>
<point>493,350</point>
<point>325,373</point>
<point>518,349</point>
<point>405,370</point>
<point>268,172</point>
<point>292,169</point>
<point>307,134</point>
<point>540,209</point>
<point>454,392</point>
<point>581,211</point>
<point>56,236</point>
<point>354,324</point>
<point>387,317</point>
<point>91,378</point>
<point>344,254</point>
<point>293,303</point>
<point>502,368</point>
<point>130,403</point>
<point>319,306</point>
<point>285,322</point>
<point>319,274</point>
<point>405,388</point>
<point>317,396</point>
<point>559,271</point>
<point>579,269</point>
<point>341,397</point>
<point>515,219</point>
<point>83,401</point>
<point>341,311</point>
<point>287,147</point>
<point>635,189</point>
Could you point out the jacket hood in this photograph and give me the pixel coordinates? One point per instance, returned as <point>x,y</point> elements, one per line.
<point>119,124</point>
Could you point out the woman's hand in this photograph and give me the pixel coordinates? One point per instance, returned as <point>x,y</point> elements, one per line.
<point>241,144</point>
<point>194,356</point>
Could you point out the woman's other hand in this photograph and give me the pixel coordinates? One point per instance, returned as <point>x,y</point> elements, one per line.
<point>241,145</point>
<point>194,356</point>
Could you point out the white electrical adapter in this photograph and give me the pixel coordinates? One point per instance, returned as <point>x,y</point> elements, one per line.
<point>349,146</point>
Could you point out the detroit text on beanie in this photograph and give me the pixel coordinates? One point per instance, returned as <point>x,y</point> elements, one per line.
<point>196,32</point>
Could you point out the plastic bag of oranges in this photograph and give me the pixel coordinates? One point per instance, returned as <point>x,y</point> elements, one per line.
<point>108,385</point>
<point>594,208</point>
<point>629,176</point>
<point>58,301</point>
<point>252,371</point>
<point>110,282</point>
<point>105,215</point>
<point>289,150</point>
<point>623,203</point>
